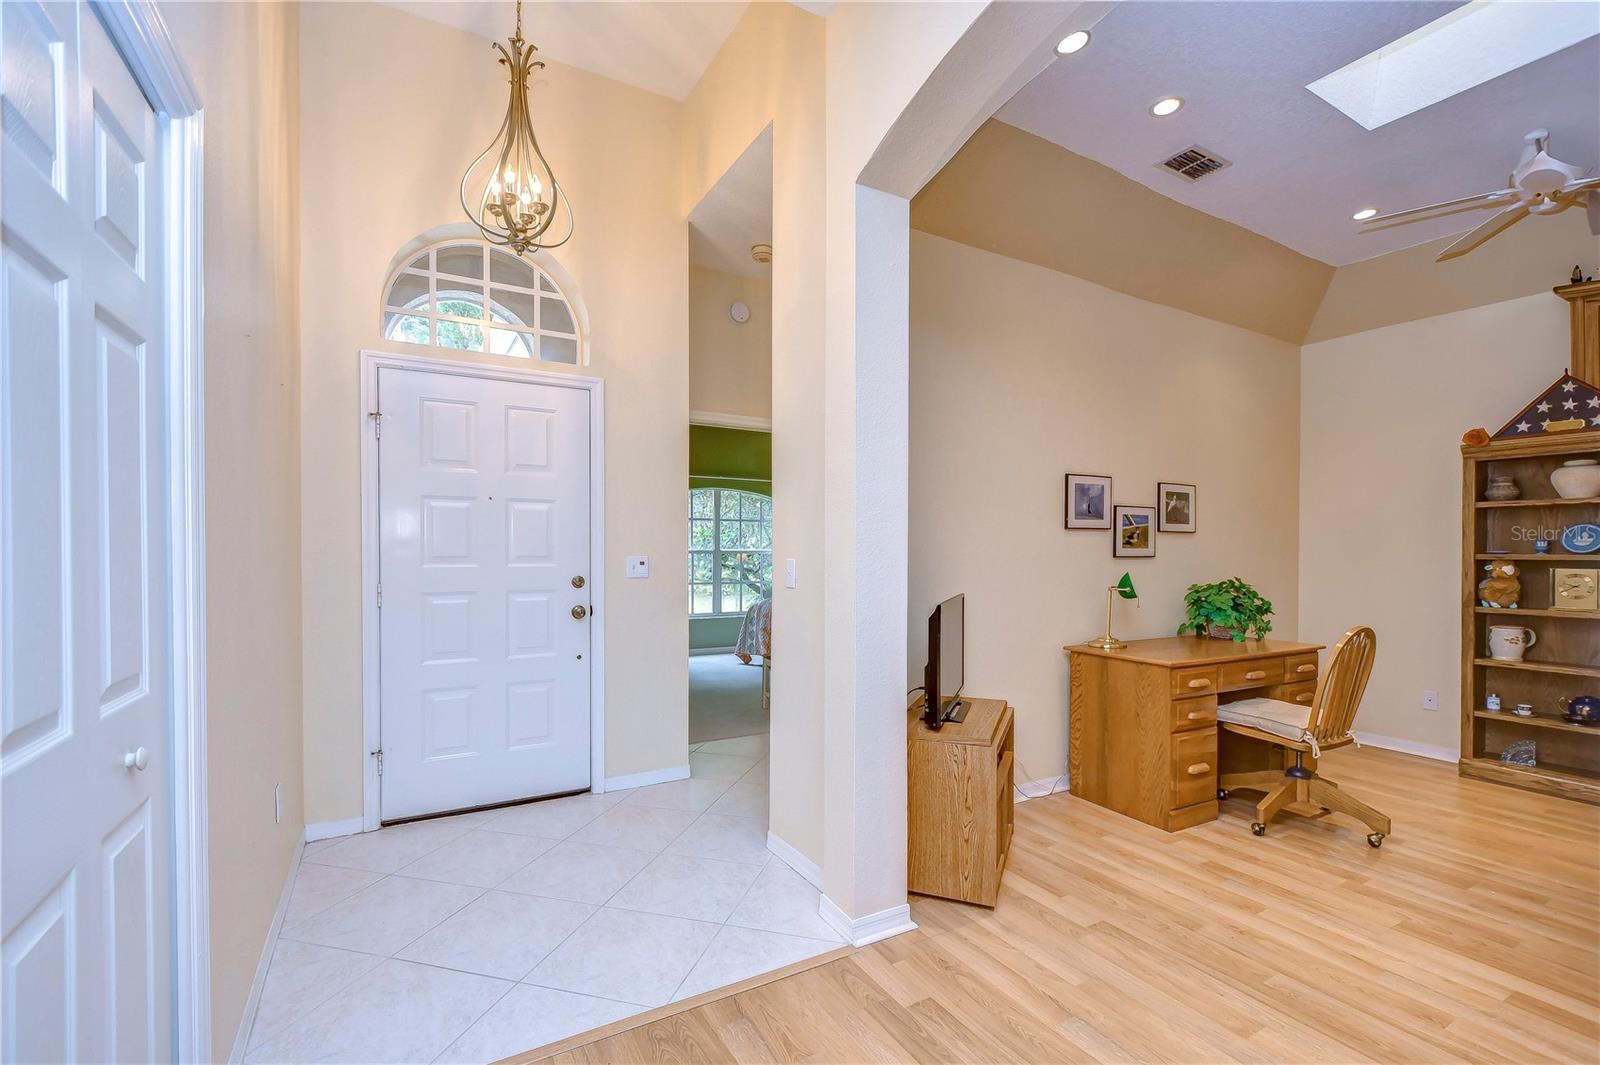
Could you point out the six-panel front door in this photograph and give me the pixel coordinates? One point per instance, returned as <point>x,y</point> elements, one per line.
<point>483,495</point>
<point>85,748</point>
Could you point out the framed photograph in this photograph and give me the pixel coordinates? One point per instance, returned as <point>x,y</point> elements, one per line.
<point>1135,535</point>
<point>1088,501</point>
<point>1175,507</point>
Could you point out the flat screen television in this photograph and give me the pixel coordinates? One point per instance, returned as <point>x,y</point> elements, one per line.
<point>944,677</point>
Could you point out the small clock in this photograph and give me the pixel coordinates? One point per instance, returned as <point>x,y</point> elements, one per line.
<point>739,312</point>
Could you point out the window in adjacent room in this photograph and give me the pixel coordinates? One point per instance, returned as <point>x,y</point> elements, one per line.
<point>730,550</point>
<point>476,297</point>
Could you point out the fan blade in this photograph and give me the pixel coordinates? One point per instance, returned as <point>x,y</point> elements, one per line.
<point>1594,212</point>
<point>1498,224</point>
<point>1466,203</point>
<point>1580,185</point>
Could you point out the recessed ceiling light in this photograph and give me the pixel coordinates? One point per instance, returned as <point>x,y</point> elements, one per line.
<point>1163,108</point>
<point>1073,42</point>
<point>1364,214</point>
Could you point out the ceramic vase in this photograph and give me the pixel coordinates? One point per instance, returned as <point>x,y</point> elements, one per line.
<point>1577,479</point>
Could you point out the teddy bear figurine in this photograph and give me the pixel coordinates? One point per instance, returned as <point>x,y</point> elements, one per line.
<point>1501,589</point>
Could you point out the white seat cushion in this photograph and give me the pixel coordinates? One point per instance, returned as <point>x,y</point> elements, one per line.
<point>1288,720</point>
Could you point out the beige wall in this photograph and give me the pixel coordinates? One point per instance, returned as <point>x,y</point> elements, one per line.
<point>767,74</point>
<point>616,149</point>
<point>1043,204</point>
<point>1382,413</point>
<point>730,365</point>
<point>1019,375</point>
<point>243,57</point>
<point>1406,285</point>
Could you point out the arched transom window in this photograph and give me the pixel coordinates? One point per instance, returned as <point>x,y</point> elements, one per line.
<point>474,297</point>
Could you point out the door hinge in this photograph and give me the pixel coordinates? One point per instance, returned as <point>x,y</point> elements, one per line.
<point>377,422</point>
<point>378,754</point>
<point>380,595</point>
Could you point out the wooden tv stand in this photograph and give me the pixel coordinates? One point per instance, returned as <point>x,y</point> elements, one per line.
<point>958,795</point>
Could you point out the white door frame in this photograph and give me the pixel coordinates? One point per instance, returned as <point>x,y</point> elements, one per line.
<point>371,716</point>
<point>141,35</point>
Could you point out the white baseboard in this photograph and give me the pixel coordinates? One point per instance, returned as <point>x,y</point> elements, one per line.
<point>696,651</point>
<point>329,829</point>
<point>859,931</point>
<point>1038,789</point>
<point>247,1019</point>
<point>795,860</point>
<point>641,780</point>
<point>1424,750</point>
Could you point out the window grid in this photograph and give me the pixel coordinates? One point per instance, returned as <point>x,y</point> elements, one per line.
<point>490,324</point>
<point>730,551</point>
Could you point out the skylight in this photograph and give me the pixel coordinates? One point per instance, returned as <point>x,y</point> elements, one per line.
<point>1451,54</point>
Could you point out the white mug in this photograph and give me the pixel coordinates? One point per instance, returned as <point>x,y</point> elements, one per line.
<point>1508,642</point>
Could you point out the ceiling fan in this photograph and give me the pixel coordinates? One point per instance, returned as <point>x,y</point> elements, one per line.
<point>1540,184</point>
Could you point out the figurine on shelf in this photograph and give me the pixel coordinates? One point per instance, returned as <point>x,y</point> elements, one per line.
<point>1501,589</point>
<point>1501,488</point>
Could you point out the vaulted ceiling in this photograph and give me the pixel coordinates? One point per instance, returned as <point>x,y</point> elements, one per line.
<point>659,46</point>
<point>1300,167</point>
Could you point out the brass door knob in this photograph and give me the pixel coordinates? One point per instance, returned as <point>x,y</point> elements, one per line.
<point>579,613</point>
<point>577,582</point>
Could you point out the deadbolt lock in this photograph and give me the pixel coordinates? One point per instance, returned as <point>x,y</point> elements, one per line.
<point>577,582</point>
<point>579,612</point>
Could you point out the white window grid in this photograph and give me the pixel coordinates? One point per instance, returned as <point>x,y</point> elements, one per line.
<point>747,533</point>
<point>501,330</point>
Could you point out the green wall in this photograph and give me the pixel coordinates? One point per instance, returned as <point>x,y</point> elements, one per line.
<point>730,458</point>
<point>726,458</point>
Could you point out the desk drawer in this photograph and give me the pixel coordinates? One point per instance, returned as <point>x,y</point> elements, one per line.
<point>1201,681</point>
<point>1300,667</point>
<point>1199,712</point>
<point>1194,766</point>
<point>1300,693</point>
<point>1251,673</point>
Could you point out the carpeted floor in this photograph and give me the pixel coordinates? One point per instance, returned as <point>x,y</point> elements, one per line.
<point>724,698</point>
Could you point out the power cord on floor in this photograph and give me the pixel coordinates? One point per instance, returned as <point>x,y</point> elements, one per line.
<point>1055,785</point>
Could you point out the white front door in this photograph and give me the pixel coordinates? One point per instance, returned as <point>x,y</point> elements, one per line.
<point>88,842</point>
<point>483,496</point>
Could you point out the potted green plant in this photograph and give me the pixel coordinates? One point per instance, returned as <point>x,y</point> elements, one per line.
<point>1227,610</point>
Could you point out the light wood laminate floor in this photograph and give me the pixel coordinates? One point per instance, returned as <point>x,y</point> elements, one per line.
<point>1472,935</point>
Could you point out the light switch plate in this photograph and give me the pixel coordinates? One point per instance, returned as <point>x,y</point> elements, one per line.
<point>788,573</point>
<point>638,567</point>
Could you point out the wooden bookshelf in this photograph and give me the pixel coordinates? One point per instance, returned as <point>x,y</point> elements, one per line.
<point>1565,659</point>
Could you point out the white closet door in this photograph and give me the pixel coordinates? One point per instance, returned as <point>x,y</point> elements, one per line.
<point>484,564</point>
<point>87,875</point>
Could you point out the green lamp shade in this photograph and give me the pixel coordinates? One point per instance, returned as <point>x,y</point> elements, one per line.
<point>1125,587</point>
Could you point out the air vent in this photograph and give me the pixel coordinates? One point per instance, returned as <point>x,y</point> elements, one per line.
<point>1194,163</point>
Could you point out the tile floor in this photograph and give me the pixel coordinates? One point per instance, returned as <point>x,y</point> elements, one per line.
<point>473,937</point>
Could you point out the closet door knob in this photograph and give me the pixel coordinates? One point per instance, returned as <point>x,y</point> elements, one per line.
<point>579,613</point>
<point>136,759</point>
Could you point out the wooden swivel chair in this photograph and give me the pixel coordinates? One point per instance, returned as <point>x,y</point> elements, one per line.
<point>1322,727</point>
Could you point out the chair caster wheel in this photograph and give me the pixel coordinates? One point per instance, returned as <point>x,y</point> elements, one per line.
<point>1258,828</point>
<point>1375,839</point>
<point>1222,794</point>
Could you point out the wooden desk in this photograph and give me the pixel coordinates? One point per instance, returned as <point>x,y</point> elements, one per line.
<point>1143,729</point>
<point>959,805</point>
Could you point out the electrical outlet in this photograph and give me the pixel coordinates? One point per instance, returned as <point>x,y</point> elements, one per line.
<point>1430,700</point>
<point>277,804</point>
<point>638,567</point>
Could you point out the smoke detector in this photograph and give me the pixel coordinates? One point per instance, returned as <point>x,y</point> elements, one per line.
<point>761,253</point>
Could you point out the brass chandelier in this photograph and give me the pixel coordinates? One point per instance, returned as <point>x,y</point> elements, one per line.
<point>518,197</point>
